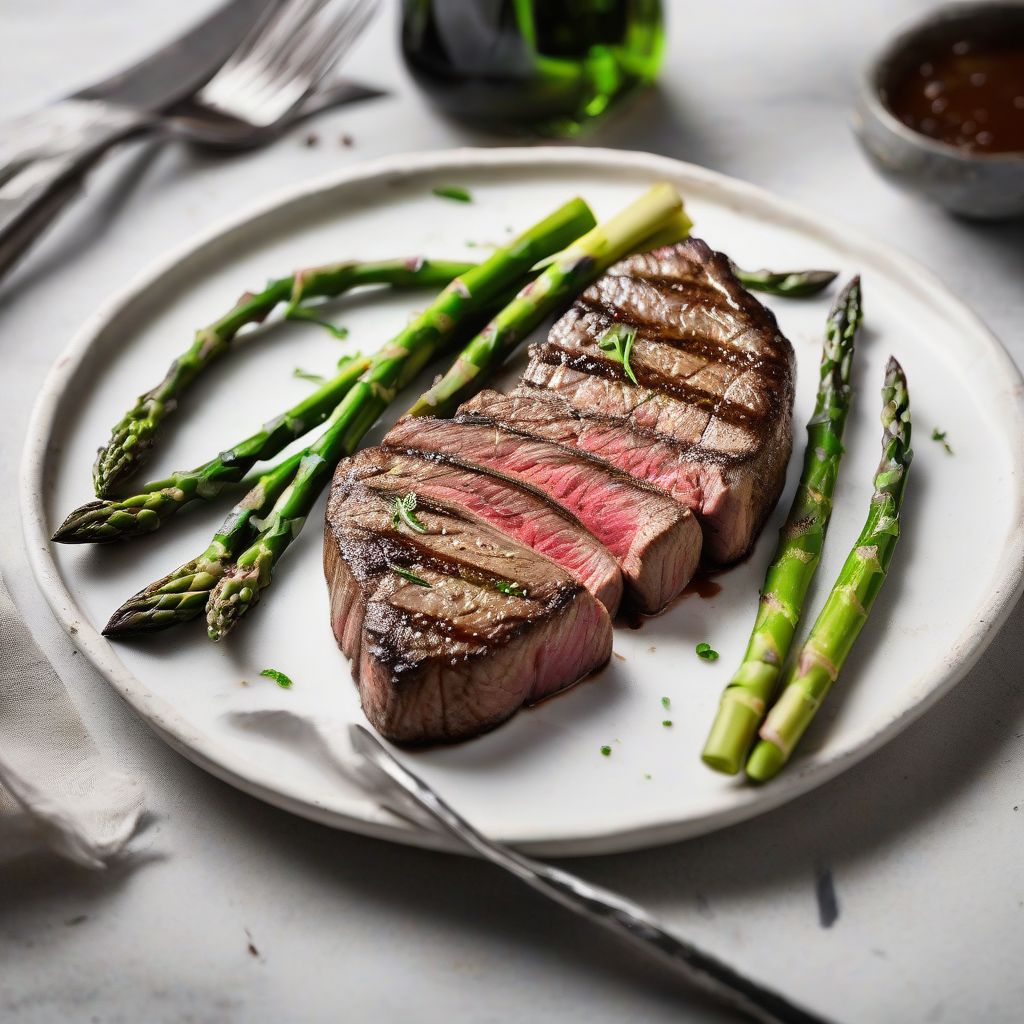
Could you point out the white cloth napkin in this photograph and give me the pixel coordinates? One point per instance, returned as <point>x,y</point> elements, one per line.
<point>53,783</point>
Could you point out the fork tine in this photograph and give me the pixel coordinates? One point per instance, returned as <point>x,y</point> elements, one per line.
<point>284,29</point>
<point>299,68</point>
<point>289,59</point>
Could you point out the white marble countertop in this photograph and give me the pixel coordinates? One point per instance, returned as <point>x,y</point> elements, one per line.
<point>238,912</point>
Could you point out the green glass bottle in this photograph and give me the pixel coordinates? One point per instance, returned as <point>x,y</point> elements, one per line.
<point>541,66</point>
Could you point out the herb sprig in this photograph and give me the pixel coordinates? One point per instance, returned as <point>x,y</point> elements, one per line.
<point>405,512</point>
<point>279,677</point>
<point>406,574</point>
<point>456,192</point>
<point>940,437</point>
<point>512,589</point>
<point>618,340</point>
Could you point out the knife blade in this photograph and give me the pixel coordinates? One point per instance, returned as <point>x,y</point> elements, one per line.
<point>180,67</point>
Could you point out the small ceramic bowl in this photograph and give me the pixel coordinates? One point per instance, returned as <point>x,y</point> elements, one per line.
<point>987,186</point>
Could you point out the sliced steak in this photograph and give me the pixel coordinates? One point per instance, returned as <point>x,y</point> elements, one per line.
<point>513,508</point>
<point>655,541</point>
<point>450,660</point>
<point>708,417</point>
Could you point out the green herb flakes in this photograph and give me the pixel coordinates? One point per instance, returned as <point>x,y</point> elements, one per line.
<point>279,677</point>
<point>618,340</point>
<point>667,723</point>
<point>940,437</point>
<point>313,378</point>
<point>405,512</point>
<point>606,751</point>
<point>512,589</point>
<point>410,576</point>
<point>707,652</point>
<point>456,192</point>
<point>666,703</point>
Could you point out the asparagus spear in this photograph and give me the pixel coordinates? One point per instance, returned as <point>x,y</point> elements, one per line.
<point>793,284</point>
<point>99,522</point>
<point>392,368</point>
<point>847,606</point>
<point>798,552</point>
<point>567,274</point>
<point>182,594</point>
<point>133,437</point>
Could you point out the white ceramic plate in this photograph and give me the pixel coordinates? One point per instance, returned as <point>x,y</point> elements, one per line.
<point>540,780</point>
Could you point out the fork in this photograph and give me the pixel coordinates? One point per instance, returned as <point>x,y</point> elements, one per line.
<point>262,89</point>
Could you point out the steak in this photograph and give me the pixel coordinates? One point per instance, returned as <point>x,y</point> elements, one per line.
<point>655,541</point>
<point>708,417</point>
<point>477,626</point>
<point>515,509</point>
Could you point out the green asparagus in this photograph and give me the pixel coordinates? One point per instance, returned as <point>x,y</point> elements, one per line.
<point>847,606</point>
<point>99,522</point>
<point>182,594</point>
<point>567,274</point>
<point>133,437</point>
<point>392,368</point>
<point>796,558</point>
<point>793,284</point>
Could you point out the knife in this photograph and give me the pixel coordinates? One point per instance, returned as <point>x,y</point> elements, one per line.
<point>116,105</point>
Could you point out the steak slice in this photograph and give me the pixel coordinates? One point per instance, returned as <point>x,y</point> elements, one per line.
<point>708,417</point>
<point>655,542</point>
<point>513,508</point>
<point>450,660</point>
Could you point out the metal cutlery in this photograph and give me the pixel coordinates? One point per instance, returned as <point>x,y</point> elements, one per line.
<point>269,83</point>
<point>626,919</point>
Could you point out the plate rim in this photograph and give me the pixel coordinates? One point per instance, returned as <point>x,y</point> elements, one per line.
<point>348,814</point>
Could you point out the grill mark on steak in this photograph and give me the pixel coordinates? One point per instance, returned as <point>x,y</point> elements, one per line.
<point>513,507</point>
<point>593,364</point>
<point>655,543</point>
<point>446,662</point>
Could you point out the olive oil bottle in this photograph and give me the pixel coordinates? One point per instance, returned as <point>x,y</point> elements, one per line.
<point>549,67</point>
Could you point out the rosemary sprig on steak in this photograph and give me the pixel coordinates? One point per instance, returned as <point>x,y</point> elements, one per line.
<point>583,261</point>
<point>133,437</point>
<point>392,369</point>
<point>847,606</point>
<point>99,522</point>
<point>801,538</point>
<point>182,594</point>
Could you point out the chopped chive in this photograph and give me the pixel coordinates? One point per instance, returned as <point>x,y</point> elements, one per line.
<point>456,192</point>
<point>606,750</point>
<point>666,703</point>
<point>940,436</point>
<point>405,512</point>
<point>313,378</point>
<point>310,316</point>
<point>410,576</point>
<point>667,722</point>
<point>279,677</point>
<point>512,589</point>
<point>618,340</point>
<point>707,652</point>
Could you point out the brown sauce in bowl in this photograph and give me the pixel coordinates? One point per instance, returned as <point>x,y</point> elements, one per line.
<point>968,93</point>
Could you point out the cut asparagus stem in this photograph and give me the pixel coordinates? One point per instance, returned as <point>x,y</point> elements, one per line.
<point>847,606</point>
<point>182,594</point>
<point>798,552</point>
<point>793,284</point>
<point>392,368</point>
<point>133,437</point>
<point>566,275</point>
<point>99,522</point>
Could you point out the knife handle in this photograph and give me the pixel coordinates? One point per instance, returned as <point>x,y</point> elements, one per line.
<point>33,196</point>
